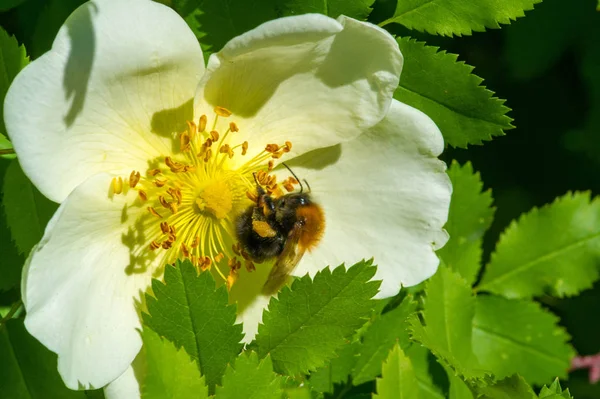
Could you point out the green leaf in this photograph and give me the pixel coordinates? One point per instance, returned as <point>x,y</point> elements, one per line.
<point>465,111</point>
<point>304,326</point>
<point>215,22</point>
<point>170,372</point>
<point>11,260</point>
<point>458,388</point>
<point>336,370</point>
<point>513,387</point>
<point>189,311</point>
<point>448,312</point>
<point>250,378</point>
<point>27,210</point>
<point>13,58</point>
<point>425,367</point>
<point>554,391</point>
<point>471,214</point>
<point>27,369</point>
<point>357,9</point>
<point>551,250</point>
<point>458,17</point>
<point>387,330</point>
<point>5,144</point>
<point>398,379</point>
<point>516,336</point>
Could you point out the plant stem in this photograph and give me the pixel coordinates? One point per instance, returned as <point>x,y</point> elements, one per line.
<point>14,309</point>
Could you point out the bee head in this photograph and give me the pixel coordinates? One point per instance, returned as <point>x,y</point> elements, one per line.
<point>286,207</point>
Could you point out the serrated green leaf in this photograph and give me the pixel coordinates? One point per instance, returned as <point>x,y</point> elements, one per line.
<point>458,17</point>
<point>387,330</point>
<point>554,391</point>
<point>13,58</point>
<point>458,388</point>
<point>516,336</point>
<point>27,210</point>
<point>11,260</point>
<point>448,311</point>
<point>398,379</point>
<point>424,363</point>
<point>27,369</point>
<point>357,9</point>
<point>170,372</point>
<point>188,310</point>
<point>513,387</point>
<point>304,326</point>
<point>336,370</point>
<point>471,214</point>
<point>446,90</point>
<point>250,378</point>
<point>551,250</point>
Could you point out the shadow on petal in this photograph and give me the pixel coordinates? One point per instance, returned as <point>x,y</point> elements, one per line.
<point>80,60</point>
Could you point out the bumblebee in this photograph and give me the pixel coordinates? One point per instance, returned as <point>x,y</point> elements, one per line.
<point>282,228</point>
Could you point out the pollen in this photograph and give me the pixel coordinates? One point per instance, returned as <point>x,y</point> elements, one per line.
<point>189,198</point>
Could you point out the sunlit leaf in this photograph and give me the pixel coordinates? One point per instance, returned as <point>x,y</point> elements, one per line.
<point>448,312</point>
<point>188,310</point>
<point>250,377</point>
<point>337,370</point>
<point>554,391</point>
<point>458,17</point>
<point>386,330</point>
<point>471,214</point>
<point>550,250</point>
<point>398,379</point>
<point>513,387</point>
<point>170,372</point>
<point>306,324</point>
<point>446,90</point>
<point>515,336</point>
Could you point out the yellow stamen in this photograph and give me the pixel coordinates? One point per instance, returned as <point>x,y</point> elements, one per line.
<point>221,111</point>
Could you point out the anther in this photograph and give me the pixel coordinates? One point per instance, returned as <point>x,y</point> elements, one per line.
<point>185,250</point>
<point>271,165</point>
<point>288,186</point>
<point>276,155</point>
<point>206,262</point>
<point>142,195</point>
<point>173,207</point>
<point>154,245</point>
<point>231,279</point>
<point>164,202</point>
<point>244,147</point>
<point>288,145</point>
<point>184,141</point>
<point>167,244</point>
<point>214,135</point>
<point>221,111</point>
<point>202,123</point>
<point>153,172</point>
<point>207,155</point>
<point>134,178</point>
<point>153,212</point>
<point>117,185</point>
<point>164,227</point>
<point>195,242</point>
<point>219,257</point>
<point>159,183</point>
<point>233,127</point>
<point>250,266</point>
<point>251,196</point>
<point>272,148</point>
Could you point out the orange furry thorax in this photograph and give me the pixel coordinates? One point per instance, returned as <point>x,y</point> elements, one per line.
<point>314,225</point>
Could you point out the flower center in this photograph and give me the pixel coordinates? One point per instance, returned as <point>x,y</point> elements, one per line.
<point>216,198</point>
<point>193,196</point>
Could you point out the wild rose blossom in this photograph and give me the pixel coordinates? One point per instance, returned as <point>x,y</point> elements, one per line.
<point>151,156</point>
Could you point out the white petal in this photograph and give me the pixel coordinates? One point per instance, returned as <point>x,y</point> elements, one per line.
<point>100,99</point>
<point>385,195</point>
<point>79,288</point>
<point>307,79</point>
<point>124,387</point>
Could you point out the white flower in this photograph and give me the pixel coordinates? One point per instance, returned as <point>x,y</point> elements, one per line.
<point>113,123</point>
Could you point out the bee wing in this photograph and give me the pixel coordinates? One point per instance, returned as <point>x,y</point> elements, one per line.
<point>286,262</point>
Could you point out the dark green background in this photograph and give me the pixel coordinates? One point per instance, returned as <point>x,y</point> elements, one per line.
<point>547,67</point>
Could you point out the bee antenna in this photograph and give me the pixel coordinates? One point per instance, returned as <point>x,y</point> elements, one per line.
<point>307,185</point>
<point>255,179</point>
<point>295,177</point>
